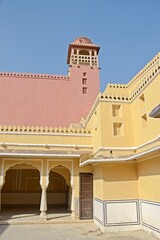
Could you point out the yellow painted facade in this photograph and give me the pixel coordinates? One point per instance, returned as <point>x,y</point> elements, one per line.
<point>118,143</point>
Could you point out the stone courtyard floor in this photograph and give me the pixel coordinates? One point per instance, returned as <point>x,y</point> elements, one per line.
<point>25,224</point>
<point>72,231</point>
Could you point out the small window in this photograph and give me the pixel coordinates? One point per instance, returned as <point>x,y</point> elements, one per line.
<point>142,101</point>
<point>84,81</point>
<point>117,129</point>
<point>144,121</point>
<point>142,98</point>
<point>116,110</point>
<point>84,74</point>
<point>84,90</point>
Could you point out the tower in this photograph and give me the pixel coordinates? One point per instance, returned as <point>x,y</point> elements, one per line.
<point>83,73</point>
<point>83,52</point>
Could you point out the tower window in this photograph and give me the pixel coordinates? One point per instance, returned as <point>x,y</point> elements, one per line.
<point>84,74</point>
<point>144,121</point>
<point>84,81</point>
<point>116,110</point>
<point>84,90</point>
<point>117,129</point>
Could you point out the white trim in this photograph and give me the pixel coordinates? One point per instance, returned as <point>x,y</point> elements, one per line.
<point>127,148</point>
<point>49,134</point>
<point>60,155</point>
<point>4,144</point>
<point>124,159</point>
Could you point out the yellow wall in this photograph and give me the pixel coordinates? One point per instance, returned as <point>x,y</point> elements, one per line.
<point>116,181</point>
<point>98,181</point>
<point>125,139</point>
<point>150,130</point>
<point>149,179</point>
<point>95,124</point>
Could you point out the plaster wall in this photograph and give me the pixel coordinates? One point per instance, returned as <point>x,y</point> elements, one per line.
<point>98,182</point>
<point>149,128</point>
<point>95,124</point>
<point>148,183</point>
<point>116,204</point>
<point>120,181</point>
<point>125,137</point>
<point>46,139</point>
<point>149,178</point>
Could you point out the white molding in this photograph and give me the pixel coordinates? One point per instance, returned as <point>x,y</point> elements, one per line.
<point>122,212</point>
<point>127,148</point>
<point>124,159</point>
<point>4,144</point>
<point>48,134</point>
<point>60,155</point>
<point>150,216</point>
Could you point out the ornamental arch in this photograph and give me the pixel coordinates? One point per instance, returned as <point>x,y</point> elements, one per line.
<point>59,187</point>
<point>21,186</point>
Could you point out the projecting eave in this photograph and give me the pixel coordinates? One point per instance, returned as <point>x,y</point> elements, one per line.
<point>143,156</point>
<point>134,154</point>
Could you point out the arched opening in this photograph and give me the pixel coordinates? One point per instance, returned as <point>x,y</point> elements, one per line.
<point>21,192</point>
<point>58,191</point>
<point>83,52</point>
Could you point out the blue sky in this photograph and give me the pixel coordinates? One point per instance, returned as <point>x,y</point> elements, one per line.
<point>34,35</point>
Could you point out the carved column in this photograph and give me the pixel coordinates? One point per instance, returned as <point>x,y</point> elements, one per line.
<point>2,181</point>
<point>73,203</point>
<point>0,200</point>
<point>69,199</point>
<point>43,206</point>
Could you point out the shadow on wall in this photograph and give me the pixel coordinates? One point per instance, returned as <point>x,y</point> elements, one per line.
<point>149,167</point>
<point>113,172</point>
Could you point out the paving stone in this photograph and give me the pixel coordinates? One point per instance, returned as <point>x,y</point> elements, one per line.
<point>74,231</point>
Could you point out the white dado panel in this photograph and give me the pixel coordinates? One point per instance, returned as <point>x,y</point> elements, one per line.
<point>121,213</point>
<point>151,215</point>
<point>99,210</point>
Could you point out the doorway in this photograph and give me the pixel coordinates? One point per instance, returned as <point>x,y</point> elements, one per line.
<point>86,196</point>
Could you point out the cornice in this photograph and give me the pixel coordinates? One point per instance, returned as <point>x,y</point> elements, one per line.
<point>50,131</point>
<point>33,75</point>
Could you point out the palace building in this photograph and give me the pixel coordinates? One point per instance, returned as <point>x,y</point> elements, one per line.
<point>65,144</point>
